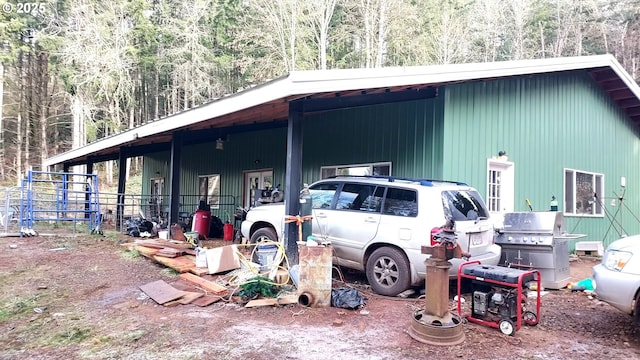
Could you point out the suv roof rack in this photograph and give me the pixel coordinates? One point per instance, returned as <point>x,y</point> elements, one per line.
<point>423,182</point>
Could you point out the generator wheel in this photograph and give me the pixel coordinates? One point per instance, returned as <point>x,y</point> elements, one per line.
<point>530,318</point>
<point>507,327</point>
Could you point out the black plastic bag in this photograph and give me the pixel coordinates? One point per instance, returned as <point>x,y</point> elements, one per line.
<point>347,298</point>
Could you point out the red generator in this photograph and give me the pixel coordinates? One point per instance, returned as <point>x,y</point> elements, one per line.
<point>499,296</point>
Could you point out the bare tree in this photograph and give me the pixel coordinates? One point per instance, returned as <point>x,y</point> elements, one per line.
<point>281,17</point>
<point>373,18</point>
<point>188,54</point>
<point>319,14</point>
<point>519,12</point>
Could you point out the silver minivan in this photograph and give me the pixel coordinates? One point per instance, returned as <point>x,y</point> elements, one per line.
<point>379,224</point>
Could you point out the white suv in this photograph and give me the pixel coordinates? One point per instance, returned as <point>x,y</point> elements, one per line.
<point>378,225</point>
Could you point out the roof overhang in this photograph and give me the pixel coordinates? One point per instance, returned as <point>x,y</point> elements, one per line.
<point>268,104</point>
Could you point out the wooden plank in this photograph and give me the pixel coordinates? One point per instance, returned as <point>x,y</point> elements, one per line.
<point>284,300</point>
<point>262,302</point>
<point>205,284</point>
<point>189,297</point>
<point>206,300</point>
<point>288,299</point>
<point>164,243</point>
<point>146,251</point>
<point>191,258</point>
<point>161,292</point>
<point>179,264</point>
<point>149,244</point>
<point>199,271</point>
<point>169,252</point>
<point>183,285</point>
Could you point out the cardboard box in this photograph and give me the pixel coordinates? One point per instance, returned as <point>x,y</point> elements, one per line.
<point>222,258</point>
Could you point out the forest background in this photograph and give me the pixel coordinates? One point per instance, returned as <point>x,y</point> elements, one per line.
<point>74,71</point>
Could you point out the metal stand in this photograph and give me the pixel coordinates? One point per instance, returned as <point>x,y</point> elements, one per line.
<point>436,325</point>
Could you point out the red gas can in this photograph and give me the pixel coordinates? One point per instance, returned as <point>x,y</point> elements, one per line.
<point>228,231</point>
<point>201,221</point>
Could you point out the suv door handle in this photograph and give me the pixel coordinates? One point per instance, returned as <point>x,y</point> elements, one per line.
<point>321,215</point>
<point>371,220</point>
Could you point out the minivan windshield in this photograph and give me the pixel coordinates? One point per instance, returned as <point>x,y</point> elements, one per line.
<point>464,205</point>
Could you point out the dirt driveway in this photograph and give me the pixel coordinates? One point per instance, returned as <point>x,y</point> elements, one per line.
<point>79,298</point>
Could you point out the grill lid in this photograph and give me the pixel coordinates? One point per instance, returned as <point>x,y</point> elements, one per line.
<point>534,222</point>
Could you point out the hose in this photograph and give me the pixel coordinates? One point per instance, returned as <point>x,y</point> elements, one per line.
<point>280,257</point>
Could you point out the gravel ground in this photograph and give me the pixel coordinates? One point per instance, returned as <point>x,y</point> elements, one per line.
<point>79,298</point>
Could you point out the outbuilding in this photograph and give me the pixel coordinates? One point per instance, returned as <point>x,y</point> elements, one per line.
<point>529,135</point>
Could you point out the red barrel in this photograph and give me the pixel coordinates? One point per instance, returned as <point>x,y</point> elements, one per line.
<point>201,221</point>
<point>228,231</point>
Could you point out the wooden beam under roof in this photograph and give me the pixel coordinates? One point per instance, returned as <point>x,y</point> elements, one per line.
<point>621,94</point>
<point>627,103</point>
<point>603,74</point>
<point>613,85</point>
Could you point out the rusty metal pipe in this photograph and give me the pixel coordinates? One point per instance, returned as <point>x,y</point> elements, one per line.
<point>305,299</point>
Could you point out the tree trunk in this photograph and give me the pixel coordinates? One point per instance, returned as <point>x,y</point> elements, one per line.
<point>382,32</point>
<point>19,136</point>
<point>45,101</point>
<point>292,35</point>
<point>131,126</point>
<point>28,108</point>
<point>156,108</point>
<point>2,164</point>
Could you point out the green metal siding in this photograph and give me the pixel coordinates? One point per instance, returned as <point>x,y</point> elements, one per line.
<point>407,134</point>
<point>155,165</point>
<point>241,151</point>
<point>545,123</point>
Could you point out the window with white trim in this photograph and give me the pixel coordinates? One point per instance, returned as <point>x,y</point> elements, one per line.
<point>583,192</point>
<point>372,169</point>
<point>209,190</point>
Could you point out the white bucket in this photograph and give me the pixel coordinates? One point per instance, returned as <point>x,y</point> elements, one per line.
<point>267,256</point>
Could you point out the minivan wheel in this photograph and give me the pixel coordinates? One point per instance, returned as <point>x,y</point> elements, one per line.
<point>388,271</point>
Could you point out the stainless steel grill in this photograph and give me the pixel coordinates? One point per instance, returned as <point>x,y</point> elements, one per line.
<point>537,240</point>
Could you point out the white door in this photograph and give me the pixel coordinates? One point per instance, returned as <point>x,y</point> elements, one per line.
<point>253,181</point>
<point>500,188</point>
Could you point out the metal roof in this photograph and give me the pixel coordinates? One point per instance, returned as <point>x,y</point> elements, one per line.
<point>268,103</point>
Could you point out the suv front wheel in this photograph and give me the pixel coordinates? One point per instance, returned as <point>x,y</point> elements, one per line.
<point>263,234</point>
<point>388,271</point>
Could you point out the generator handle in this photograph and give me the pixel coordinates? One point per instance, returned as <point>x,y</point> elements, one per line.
<point>460,282</point>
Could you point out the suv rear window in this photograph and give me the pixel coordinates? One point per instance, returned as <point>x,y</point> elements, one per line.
<point>463,205</point>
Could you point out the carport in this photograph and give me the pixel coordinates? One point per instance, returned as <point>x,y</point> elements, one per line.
<point>287,100</point>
